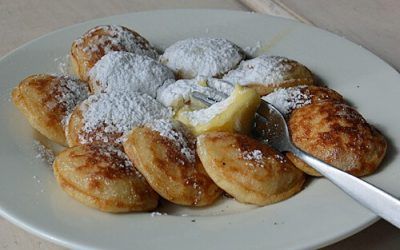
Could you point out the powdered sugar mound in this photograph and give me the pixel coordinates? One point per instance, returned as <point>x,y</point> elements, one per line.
<point>177,133</point>
<point>67,93</point>
<point>128,71</point>
<point>178,93</point>
<point>43,153</point>
<point>262,70</point>
<point>221,85</point>
<point>115,38</point>
<point>288,99</point>
<point>203,116</point>
<point>118,112</point>
<point>202,56</point>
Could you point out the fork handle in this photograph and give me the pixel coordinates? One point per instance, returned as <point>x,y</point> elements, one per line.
<point>371,197</point>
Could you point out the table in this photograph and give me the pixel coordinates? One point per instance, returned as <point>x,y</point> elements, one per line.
<point>373,24</point>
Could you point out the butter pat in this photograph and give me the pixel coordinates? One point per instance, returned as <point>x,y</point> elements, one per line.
<point>234,114</point>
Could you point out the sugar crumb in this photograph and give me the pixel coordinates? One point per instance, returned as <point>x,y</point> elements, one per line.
<point>43,153</point>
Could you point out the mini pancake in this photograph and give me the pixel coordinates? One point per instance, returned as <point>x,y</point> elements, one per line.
<point>100,40</point>
<point>205,56</point>
<point>165,154</point>
<point>248,170</point>
<point>337,134</point>
<point>288,99</point>
<point>106,117</point>
<point>47,101</point>
<point>102,177</point>
<point>128,71</point>
<point>266,73</point>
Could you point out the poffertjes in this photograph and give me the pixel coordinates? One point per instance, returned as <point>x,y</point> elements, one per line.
<point>100,40</point>
<point>248,170</point>
<point>266,73</point>
<point>337,134</point>
<point>47,101</point>
<point>102,177</point>
<point>166,156</point>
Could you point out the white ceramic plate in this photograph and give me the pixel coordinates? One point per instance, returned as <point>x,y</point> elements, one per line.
<point>317,216</point>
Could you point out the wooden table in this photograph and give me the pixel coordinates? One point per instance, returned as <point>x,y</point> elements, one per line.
<point>373,24</point>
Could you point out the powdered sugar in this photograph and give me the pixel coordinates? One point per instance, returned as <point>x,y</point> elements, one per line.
<point>202,56</point>
<point>177,133</point>
<point>178,93</point>
<point>203,116</point>
<point>63,65</point>
<point>128,71</point>
<point>43,153</point>
<point>118,112</point>
<point>256,155</point>
<point>154,214</point>
<point>262,70</point>
<point>252,51</point>
<point>107,38</point>
<point>66,94</point>
<point>288,99</point>
<point>118,158</point>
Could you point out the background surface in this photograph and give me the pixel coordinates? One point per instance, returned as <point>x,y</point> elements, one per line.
<point>372,24</point>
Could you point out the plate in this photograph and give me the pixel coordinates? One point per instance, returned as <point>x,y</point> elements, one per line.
<point>319,215</point>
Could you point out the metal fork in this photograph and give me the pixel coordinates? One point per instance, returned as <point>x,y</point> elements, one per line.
<point>271,127</point>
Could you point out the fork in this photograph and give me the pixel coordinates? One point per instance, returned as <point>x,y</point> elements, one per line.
<point>271,127</point>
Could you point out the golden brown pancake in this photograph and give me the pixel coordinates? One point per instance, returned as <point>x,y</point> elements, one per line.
<point>102,177</point>
<point>47,101</point>
<point>171,166</point>
<point>288,99</point>
<point>248,170</point>
<point>266,73</point>
<point>100,40</point>
<point>337,134</point>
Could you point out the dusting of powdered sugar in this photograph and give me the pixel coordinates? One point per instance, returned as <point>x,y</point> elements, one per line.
<point>177,134</point>
<point>110,151</point>
<point>66,94</point>
<point>256,155</point>
<point>204,116</point>
<point>127,71</point>
<point>154,214</point>
<point>179,92</point>
<point>262,70</point>
<point>254,158</point>
<point>115,38</point>
<point>252,51</point>
<point>64,65</point>
<point>202,56</point>
<point>43,153</point>
<point>288,99</point>
<point>118,112</point>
